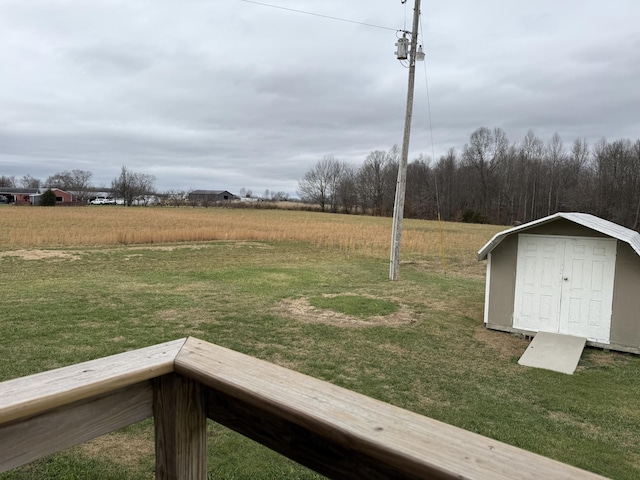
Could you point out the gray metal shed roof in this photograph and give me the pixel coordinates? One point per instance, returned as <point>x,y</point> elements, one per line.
<point>210,192</point>
<point>17,191</point>
<point>586,220</point>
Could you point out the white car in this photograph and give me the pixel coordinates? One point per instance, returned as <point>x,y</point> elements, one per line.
<point>98,201</point>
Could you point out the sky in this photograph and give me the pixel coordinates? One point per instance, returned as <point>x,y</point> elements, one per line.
<point>231,94</point>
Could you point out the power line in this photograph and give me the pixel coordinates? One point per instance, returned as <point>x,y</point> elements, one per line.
<point>433,156</point>
<point>319,15</point>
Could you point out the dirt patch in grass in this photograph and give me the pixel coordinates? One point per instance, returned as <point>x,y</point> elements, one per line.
<point>121,448</point>
<point>199,246</point>
<point>41,254</point>
<point>506,345</point>
<point>166,248</point>
<point>66,255</point>
<point>594,358</point>
<point>300,309</point>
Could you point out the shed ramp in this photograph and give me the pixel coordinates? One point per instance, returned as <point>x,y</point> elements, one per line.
<point>554,351</point>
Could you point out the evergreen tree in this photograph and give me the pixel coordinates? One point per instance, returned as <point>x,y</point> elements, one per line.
<point>48,199</point>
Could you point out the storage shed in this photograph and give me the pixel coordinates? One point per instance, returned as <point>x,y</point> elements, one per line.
<point>205,196</point>
<point>568,273</point>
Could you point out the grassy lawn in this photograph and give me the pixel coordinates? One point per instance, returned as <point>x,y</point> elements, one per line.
<point>322,309</point>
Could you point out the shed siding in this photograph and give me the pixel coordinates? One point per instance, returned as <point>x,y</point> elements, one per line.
<point>503,286</point>
<point>625,321</point>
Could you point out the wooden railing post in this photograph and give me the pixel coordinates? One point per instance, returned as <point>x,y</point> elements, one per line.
<point>180,429</point>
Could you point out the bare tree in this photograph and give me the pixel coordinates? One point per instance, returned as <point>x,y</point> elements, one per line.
<point>346,193</point>
<point>81,184</point>
<point>7,181</point>
<point>420,200</point>
<point>313,187</point>
<point>123,186</point>
<point>75,181</point>
<point>531,153</point>
<point>449,183</point>
<point>279,196</point>
<point>319,183</point>
<point>573,181</point>
<point>30,182</point>
<point>484,152</point>
<point>618,180</point>
<point>129,185</point>
<point>174,197</point>
<point>371,182</point>
<point>555,159</point>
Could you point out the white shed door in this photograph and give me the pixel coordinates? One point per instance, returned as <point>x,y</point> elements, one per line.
<point>565,285</point>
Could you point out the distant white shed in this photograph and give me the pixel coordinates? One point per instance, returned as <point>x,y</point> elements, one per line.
<point>570,273</point>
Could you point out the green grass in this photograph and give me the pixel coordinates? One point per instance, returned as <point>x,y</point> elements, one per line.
<point>444,364</point>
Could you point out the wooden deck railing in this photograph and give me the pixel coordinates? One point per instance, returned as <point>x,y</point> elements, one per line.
<point>334,431</point>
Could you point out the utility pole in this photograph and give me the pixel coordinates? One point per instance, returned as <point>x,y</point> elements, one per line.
<point>401,184</point>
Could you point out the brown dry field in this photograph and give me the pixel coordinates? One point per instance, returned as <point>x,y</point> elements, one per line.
<point>32,228</point>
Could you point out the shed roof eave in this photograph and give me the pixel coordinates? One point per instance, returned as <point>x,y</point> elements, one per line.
<point>586,220</point>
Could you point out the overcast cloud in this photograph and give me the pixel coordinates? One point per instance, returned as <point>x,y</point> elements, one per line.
<point>228,94</point>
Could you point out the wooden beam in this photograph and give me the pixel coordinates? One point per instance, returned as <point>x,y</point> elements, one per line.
<point>306,447</point>
<point>29,439</point>
<point>181,429</point>
<point>322,422</point>
<point>27,396</point>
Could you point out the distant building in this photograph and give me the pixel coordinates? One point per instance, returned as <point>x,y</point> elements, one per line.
<point>62,197</point>
<point>210,196</point>
<point>17,196</point>
<point>31,196</point>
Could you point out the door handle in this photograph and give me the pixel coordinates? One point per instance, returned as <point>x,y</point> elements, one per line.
<point>566,279</point>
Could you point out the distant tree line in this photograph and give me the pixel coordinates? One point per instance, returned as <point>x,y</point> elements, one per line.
<point>492,180</point>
